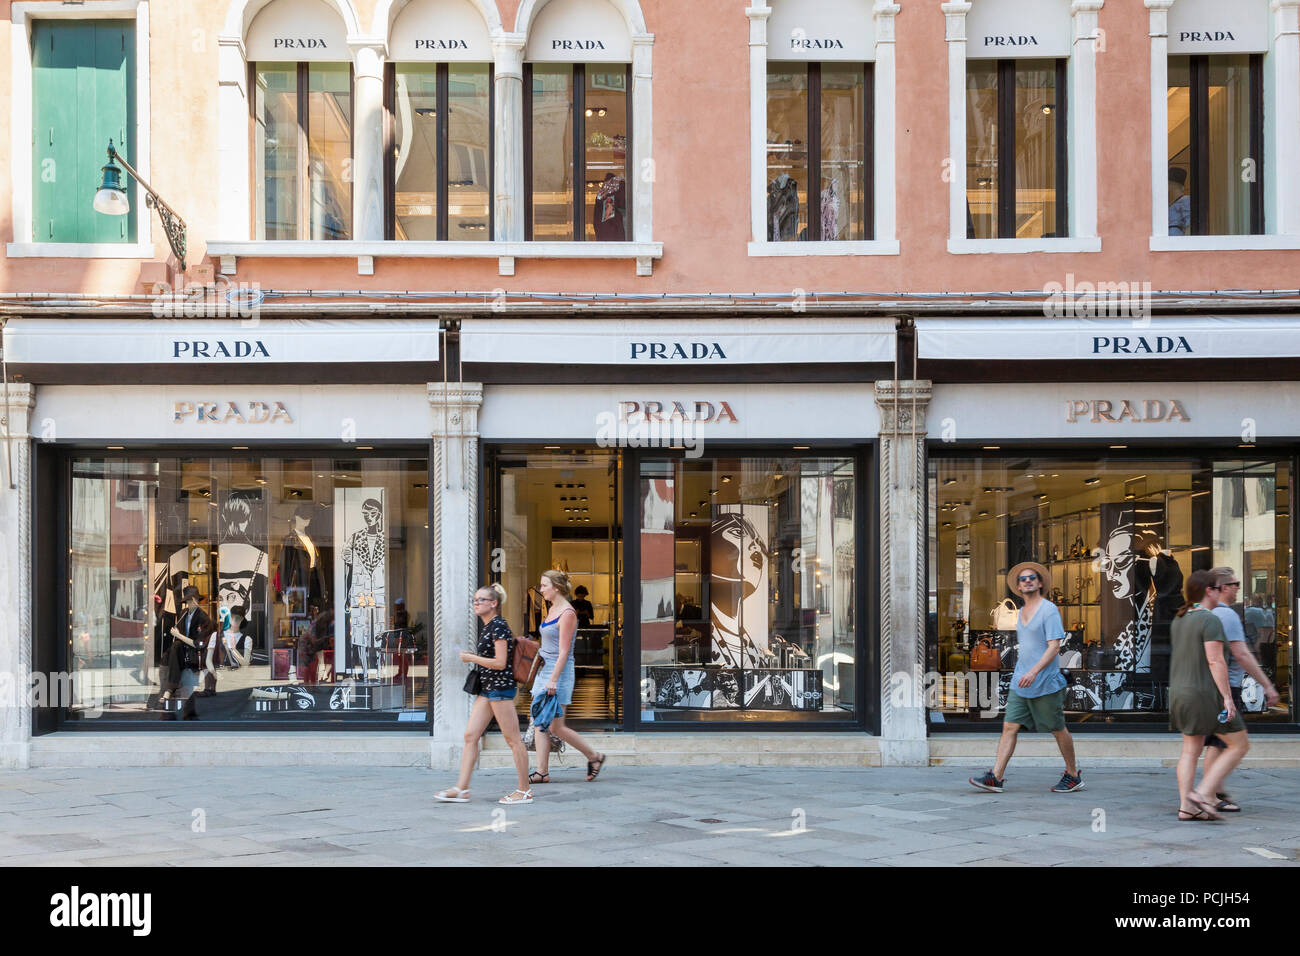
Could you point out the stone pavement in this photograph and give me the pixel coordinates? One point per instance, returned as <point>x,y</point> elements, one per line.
<point>690,816</point>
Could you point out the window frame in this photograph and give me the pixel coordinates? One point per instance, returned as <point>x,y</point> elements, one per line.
<point>1006,176</point>
<point>814,140</point>
<point>444,143</point>
<point>303,67</point>
<point>578,199</point>
<point>1199,93</point>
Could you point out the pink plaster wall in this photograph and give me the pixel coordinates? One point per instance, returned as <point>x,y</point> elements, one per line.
<point>701,135</point>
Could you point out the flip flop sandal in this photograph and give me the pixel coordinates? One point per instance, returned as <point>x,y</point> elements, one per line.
<point>1226,804</point>
<point>536,777</point>
<point>594,767</point>
<point>1187,816</point>
<point>1205,806</point>
<point>461,796</point>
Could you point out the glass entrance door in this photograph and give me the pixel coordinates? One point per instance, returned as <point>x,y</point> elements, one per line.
<point>558,508</point>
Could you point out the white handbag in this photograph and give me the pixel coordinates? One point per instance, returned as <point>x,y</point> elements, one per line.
<point>1004,615</point>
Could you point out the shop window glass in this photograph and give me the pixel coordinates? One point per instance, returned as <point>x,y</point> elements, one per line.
<point>747,589</point>
<point>327,558</point>
<point>1216,136</point>
<point>1119,539</point>
<point>1015,149</point>
<point>818,170</point>
<point>577,118</point>
<point>302,131</point>
<point>440,159</point>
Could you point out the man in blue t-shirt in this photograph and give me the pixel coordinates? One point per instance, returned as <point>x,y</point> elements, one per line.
<point>1036,700</point>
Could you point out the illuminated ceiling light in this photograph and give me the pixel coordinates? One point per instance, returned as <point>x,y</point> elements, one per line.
<point>950,481</point>
<point>992,447</point>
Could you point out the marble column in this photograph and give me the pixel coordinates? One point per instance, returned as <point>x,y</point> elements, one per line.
<point>903,741</point>
<point>758,15</point>
<point>508,170</point>
<point>454,522</point>
<point>368,140</point>
<point>16,576</point>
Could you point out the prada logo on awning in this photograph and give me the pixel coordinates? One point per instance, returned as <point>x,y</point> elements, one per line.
<point>230,413</point>
<point>299,43</point>
<point>1140,345</point>
<point>1125,410</point>
<point>235,348</point>
<point>668,351</point>
<point>1012,40</point>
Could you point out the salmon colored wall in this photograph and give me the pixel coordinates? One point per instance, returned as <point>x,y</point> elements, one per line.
<point>701,132</point>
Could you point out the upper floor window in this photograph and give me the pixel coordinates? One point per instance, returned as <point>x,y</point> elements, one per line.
<point>819,177</point>
<point>301,122</point>
<point>1016,134</point>
<point>83,95</point>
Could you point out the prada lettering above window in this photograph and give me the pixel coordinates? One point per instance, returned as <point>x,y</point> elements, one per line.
<point>586,30</point>
<point>675,351</point>
<point>230,413</point>
<point>439,31</point>
<point>840,30</point>
<point>1147,410</point>
<point>218,348</point>
<point>297,30</point>
<point>1212,26</point>
<point>997,28</point>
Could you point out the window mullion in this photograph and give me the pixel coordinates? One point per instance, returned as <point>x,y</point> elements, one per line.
<point>1257,142</point>
<point>814,152</point>
<point>1200,139</point>
<point>442,167</point>
<point>868,151</point>
<point>579,153</point>
<point>1006,149</point>
<point>528,152</point>
<point>1063,149</point>
<point>304,187</point>
<point>390,148</point>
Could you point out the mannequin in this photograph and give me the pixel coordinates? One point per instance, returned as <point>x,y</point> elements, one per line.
<point>782,208</point>
<point>301,565</point>
<point>609,212</point>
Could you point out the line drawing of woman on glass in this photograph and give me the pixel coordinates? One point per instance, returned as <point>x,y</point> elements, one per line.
<point>739,567</point>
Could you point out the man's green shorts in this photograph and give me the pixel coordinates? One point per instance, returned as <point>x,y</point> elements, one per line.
<point>1044,714</point>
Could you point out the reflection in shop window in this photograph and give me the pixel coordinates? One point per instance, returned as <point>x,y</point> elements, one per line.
<point>1216,139</point>
<point>747,589</point>
<point>818,170</point>
<point>323,559</point>
<point>1015,149</point>
<point>1118,539</point>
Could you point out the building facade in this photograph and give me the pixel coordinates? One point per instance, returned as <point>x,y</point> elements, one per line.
<point>784,342</point>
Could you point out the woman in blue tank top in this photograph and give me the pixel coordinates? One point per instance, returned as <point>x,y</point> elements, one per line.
<point>556,675</point>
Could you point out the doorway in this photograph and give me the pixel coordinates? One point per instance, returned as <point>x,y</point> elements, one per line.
<point>559,508</point>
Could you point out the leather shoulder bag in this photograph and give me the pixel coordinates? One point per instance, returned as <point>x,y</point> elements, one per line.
<point>527,656</point>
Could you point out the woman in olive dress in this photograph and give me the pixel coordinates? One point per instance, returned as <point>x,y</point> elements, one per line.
<point>1200,699</point>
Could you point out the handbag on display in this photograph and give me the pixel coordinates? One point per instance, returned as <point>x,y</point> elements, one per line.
<point>526,659</point>
<point>1101,658</point>
<point>984,656</point>
<point>1004,615</point>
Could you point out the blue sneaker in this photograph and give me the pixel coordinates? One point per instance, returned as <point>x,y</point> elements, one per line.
<point>987,782</point>
<point>1068,784</point>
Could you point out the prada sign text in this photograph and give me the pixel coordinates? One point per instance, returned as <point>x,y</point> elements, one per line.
<point>230,413</point>
<point>1125,410</point>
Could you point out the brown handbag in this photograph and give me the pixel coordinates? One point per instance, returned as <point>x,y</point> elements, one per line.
<point>526,658</point>
<point>984,656</point>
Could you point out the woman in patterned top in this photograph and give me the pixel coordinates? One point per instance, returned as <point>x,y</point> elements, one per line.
<point>496,698</point>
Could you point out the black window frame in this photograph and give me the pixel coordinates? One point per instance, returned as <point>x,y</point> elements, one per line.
<point>1199,178</point>
<point>579,132</point>
<point>1006,177</point>
<point>442,173</point>
<point>814,140</point>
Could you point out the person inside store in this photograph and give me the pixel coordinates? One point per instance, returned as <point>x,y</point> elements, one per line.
<point>1240,663</point>
<point>582,607</point>
<point>1200,699</point>
<point>492,681</point>
<point>189,633</point>
<point>556,676</point>
<point>1259,617</point>
<point>1180,203</point>
<point>311,642</point>
<point>1036,697</point>
<point>401,617</point>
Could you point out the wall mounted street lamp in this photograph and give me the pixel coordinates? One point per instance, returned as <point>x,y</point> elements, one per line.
<point>111,200</point>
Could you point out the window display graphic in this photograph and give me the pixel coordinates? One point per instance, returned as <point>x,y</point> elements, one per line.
<point>738,585</point>
<point>361,565</point>
<point>783,689</point>
<point>1132,538</point>
<point>242,564</point>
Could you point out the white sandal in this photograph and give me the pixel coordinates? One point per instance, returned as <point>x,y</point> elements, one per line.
<point>510,797</point>
<point>461,796</point>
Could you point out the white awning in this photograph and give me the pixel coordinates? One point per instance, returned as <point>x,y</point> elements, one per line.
<point>225,341</point>
<point>674,344</point>
<point>1113,339</point>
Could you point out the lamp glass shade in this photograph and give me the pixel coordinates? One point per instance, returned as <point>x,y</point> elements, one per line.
<point>112,202</point>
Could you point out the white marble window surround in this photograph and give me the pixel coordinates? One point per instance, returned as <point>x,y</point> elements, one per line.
<point>1082,144</point>
<point>370,51</point>
<point>21,16</point>
<point>884,194</point>
<point>1281,137</point>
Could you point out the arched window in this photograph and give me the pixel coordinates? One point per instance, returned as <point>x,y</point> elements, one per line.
<point>300,78</point>
<point>578,123</point>
<point>439,101</point>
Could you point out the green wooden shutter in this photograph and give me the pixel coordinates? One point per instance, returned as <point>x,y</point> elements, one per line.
<point>83,94</point>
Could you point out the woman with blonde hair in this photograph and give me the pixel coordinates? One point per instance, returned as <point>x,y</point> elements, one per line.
<point>495,698</point>
<point>556,675</point>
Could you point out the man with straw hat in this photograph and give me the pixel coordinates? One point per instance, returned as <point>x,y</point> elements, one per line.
<point>1036,700</point>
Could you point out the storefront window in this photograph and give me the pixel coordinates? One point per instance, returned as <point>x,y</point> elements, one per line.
<point>326,559</point>
<point>819,179</point>
<point>1216,145</point>
<point>747,589</point>
<point>440,157</point>
<point>576,119</point>
<point>1118,538</point>
<point>302,150</point>
<point>1015,149</point>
